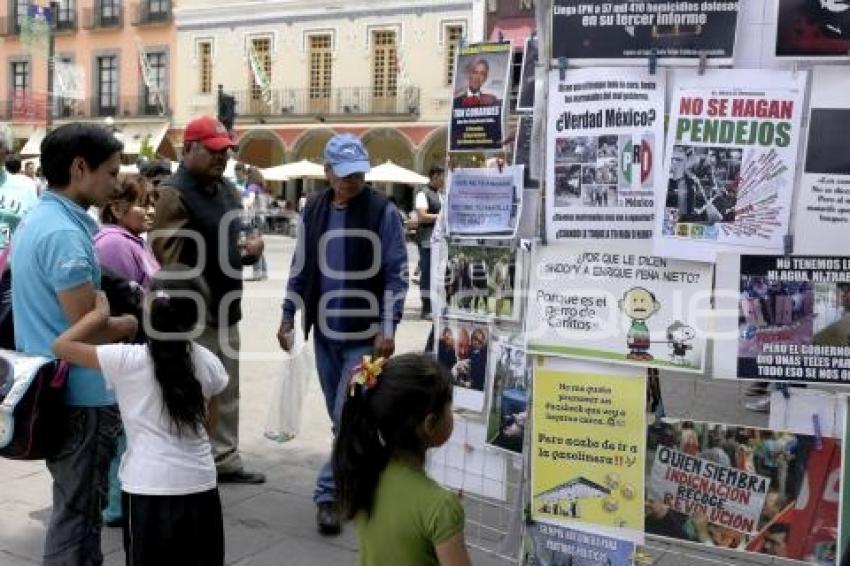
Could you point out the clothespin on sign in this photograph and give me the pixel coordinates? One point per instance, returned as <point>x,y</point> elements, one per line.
<point>562,68</point>
<point>653,60</point>
<point>818,433</point>
<point>703,61</point>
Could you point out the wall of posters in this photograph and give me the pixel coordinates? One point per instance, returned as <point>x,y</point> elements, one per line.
<point>481,84</point>
<point>798,513</point>
<point>588,448</point>
<point>510,381</point>
<point>822,214</point>
<point>731,159</point>
<point>807,29</point>
<point>549,545</point>
<point>620,305</point>
<point>525,101</point>
<point>463,348</point>
<point>621,31</point>
<point>484,202</point>
<point>604,148</point>
<point>783,318</point>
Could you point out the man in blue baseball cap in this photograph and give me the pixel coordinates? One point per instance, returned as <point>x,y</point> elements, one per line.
<point>349,277</point>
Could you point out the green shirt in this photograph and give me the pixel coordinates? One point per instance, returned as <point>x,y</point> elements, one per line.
<point>410,517</point>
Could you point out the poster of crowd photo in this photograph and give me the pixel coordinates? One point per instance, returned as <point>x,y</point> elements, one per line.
<point>480,280</point>
<point>463,349</point>
<point>619,305</point>
<point>481,83</point>
<point>807,29</point>
<point>623,31</point>
<point>784,318</point>
<point>730,163</point>
<point>508,410</point>
<point>747,489</point>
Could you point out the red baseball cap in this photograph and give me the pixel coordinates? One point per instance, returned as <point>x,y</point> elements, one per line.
<point>209,132</point>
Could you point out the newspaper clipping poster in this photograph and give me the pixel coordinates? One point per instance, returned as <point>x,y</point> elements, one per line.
<point>484,202</point>
<point>807,29</point>
<point>606,130</point>
<point>481,83</point>
<point>822,213</point>
<point>731,159</point>
<point>784,318</point>
<point>619,305</point>
<point>588,445</point>
<point>623,31</point>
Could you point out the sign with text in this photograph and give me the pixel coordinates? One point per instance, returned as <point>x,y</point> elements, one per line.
<point>484,202</point>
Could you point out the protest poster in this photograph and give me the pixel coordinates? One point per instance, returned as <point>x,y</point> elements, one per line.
<point>587,451</point>
<point>465,464</point>
<point>522,150</point>
<point>784,318</point>
<point>606,127</point>
<point>822,214</point>
<point>620,305</point>
<point>807,29</point>
<point>462,348</point>
<point>481,83</point>
<point>626,31</point>
<point>525,100</point>
<point>550,545</point>
<point>479,279</point>
<point>794,478</point>
<point>484,202</point>
<point>731,160</point>
<point>510,383</point>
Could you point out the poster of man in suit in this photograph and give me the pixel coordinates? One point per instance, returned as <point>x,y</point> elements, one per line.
<point>481,83</point>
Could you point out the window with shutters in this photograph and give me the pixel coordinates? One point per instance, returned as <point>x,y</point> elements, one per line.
<point>205,67</point>
<point>107,85</point>
<point>321,56</point>
<point>384,71</point>
<point>453,35</point>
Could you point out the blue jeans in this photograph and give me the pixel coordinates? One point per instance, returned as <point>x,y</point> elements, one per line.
<point>334,360</point>
<point>114,510</point>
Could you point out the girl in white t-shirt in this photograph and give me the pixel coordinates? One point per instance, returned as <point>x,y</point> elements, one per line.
<point>167,474</point>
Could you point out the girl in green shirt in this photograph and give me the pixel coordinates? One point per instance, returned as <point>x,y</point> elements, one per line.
<point>395,412</point>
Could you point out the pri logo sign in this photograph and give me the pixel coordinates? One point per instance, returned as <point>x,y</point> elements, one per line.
<point>637,155</point>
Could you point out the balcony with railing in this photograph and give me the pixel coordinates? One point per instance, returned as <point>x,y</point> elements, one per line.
<point>105,14</point>
<point>151,13</point>
<point>338,103</point>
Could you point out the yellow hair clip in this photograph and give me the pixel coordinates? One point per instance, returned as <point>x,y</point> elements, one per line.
<point>366,374</point>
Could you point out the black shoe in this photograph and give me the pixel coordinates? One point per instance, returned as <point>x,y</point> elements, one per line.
<point>327,519</point>
<point>242,476</point>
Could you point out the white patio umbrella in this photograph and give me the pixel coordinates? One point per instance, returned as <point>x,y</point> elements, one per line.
<point>133,169</point>
<point>389,172</point>
<point>303,169</point>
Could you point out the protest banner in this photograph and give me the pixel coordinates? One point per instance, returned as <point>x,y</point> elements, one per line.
<point>606,128</point>
<point>510,383</point>
<point>625,31</point>
<point>620,305</point>
<point>725,496</point>
<point>731,159</point>
<point>484,202</point>
<point>522,150</point>
<point>462,348</point>
<point>783,485</point>
<point>784,318</point>
<point>550,545</point>
<point>481,82</point>
<point>812,30</point>
<point>588,444</point>
<point>822,214</point>
<point>525,100</point>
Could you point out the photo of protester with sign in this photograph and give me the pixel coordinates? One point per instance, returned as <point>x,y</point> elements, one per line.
<point>481,83</point>
<point>812,29</point>
<point>508,413</point>
<point>730,162</point>
<point>622,31</point>
<point>746,489</point>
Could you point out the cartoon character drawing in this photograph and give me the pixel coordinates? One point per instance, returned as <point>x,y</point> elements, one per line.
<point>679,337</point>
<point>639,304</point>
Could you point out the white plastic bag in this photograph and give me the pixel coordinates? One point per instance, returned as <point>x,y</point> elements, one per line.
<point>299,371</point>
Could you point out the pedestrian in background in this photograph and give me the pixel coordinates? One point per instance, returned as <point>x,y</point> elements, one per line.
<point>429,202</point>
<point>253,199</point>
<point>18,197</point>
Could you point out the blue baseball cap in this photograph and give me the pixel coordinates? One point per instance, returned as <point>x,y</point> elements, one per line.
<point>346,155</point>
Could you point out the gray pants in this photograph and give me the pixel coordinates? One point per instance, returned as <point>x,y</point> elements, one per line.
<point>225,437</point>
<point>80,482</point>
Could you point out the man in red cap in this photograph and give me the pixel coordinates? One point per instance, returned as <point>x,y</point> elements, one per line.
<point>196,207</point>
